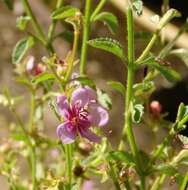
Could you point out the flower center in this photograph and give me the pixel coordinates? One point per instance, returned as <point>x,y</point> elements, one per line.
<point>78,116</point>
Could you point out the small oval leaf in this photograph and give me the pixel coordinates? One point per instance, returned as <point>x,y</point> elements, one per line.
<point>109,45</point>
<point>109,19</point>
<point>64,12</point>
<point>21,48</point>
<point>137,113</point>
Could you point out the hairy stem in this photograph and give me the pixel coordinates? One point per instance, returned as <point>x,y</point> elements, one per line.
<point>85,37</point>
<point>127,130</point>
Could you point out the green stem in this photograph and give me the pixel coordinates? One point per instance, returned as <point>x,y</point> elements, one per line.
<point>54,22</point>
<point>32,112</point>
<point>97,9</point>
<point>164,52</point>
<point>148,48</point>
<point>160,148</point>
<point>158,182</point>
<point>68,151</point>
<point>185,182</point>
<point>114,177</point>
<point>127,130</point>
<point>35,23</point>
<point>164,9</point>
<point>86,30</point>
<point>32,149</point>
<point>73,55</point>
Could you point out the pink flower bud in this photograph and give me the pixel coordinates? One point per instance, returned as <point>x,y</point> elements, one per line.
<point>155,108</point>
<point>30,64</point>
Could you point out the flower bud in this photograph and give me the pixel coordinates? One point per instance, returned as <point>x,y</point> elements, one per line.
<point>30,64</point>
<point>155,108</point>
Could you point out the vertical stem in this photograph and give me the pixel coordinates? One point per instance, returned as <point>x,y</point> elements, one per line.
<point>185,182</point>
<point>127,130</point>
<point>68,151</point>
<point>114,177</point>
<point>73,55</point>
<point>35,23</point>
<point>31,148</point>
<point>164,9</point>
<point>32,112</point>
<point>54,22</point>
<point>86,30</point>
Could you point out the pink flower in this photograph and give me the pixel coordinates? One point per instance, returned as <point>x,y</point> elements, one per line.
<point>80,114</point>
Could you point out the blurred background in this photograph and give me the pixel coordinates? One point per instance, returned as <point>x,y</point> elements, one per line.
<point>102,67</point>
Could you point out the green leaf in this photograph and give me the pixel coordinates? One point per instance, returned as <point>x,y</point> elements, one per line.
<point>170,74</point>
<point>43,77</point>
<point>108,45</point>
<point>182,112</point>
<point>167,17</point>
<point>166,169</point>
<point>104,99</point>
<point>118,86</point>
<point>109,19</point>
<point>21,49</point>
<point>22,21</point>
<point>121,156</point>
<point>138,6</point>
<point>182,54</point>
<point>64,12</point>
<point>9,3</point>
<point>137,113</point>
<point>144,87</point>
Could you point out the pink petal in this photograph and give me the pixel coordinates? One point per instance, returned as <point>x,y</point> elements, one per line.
<point>63,105</point>
<point>30,64</point>
<point>85,132</point>
<point>67,136</point>
<point>83,96</point>
<point>98,116</point>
